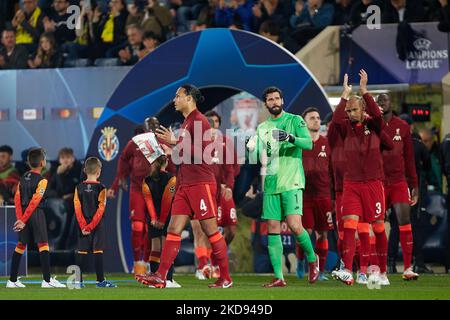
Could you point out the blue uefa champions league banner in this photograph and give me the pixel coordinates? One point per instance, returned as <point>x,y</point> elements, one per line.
<point>54,108</point>
<point>423,47</point>
<point>221,63</point>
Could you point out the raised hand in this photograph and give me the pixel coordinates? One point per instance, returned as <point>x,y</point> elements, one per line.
<point>363,81</point>
<point>347,88</point>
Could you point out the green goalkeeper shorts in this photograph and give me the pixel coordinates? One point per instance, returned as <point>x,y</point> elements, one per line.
<point>278,206</point>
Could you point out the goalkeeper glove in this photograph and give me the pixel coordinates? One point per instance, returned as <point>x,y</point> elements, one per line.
<point>281,135</point>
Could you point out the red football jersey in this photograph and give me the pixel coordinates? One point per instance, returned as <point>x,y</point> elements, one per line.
<point>361,141</point>
<point>133,163</point>
<point>338,163</point>
<point>399,163</point>
<point>316,163</point>
<point>195,170</point>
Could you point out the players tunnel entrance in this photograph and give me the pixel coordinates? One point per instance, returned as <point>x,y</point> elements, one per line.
<point>222,63</point>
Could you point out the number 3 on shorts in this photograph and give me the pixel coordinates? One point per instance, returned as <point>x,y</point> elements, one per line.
<point>378,209</point>
<point>203,205</point>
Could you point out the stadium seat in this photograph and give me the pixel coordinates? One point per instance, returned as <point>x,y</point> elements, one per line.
<point>107,62</point>
<point>77,63</point>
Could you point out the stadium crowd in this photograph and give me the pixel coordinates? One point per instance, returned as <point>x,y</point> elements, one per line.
<point>41,33</point>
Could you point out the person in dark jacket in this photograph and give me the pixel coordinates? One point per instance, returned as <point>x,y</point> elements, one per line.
<point>57,22</point>
<point>109,28</point>
<point>47,55</point>
<point>401,10</point>
<point>12,56</point>
<point>423,164</point>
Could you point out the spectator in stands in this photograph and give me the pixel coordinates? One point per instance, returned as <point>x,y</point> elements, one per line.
<point>186,11</point>
<point>152,17</point>
<point>401,10</point>
<point>157,19</point>
<point>63,182</point>
<point>444,16</point>
<point>310,19</point>
<point>227,10</point>
<point>12,56</point>
<point>358,13</point>
<point>129,55</point>
<point>109,28</point>
<point>136,12</point>
<point>342,10</point>
<point>151,42</point>
<point>434,175</point>
<point>29,25</point>
<point>206,18</point>
<point>9,176</point>
<point>57,23</point>
<point>81,47</point>
<point>270,30</point>
<point>278,11</point>
<point>47,55</point>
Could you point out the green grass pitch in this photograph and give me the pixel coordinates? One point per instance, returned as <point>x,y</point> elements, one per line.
<point>434,287</point>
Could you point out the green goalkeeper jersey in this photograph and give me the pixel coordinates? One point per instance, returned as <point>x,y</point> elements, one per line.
<point>283,159</point>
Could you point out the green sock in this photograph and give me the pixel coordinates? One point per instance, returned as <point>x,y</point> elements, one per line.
<point>276,253</point>
<point>304,241</point>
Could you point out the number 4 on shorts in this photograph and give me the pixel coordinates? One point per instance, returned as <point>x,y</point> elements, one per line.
<point>203,205</point>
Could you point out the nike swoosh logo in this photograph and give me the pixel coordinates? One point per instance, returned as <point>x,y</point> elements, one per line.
<point>204,213</point>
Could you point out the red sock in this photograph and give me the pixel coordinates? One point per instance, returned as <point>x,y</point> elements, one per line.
<point>349,243</point>
<point>406,241</point>
<point>169,253</point>
<point>340,243</point>
<point>382,245</point>
<point>373,251</point>
<point>364,255</point>
<point>299,252</point>
<point>202,255</point>
<point>322,252</point>
<point>357,258</point>
<point>213,260</point>
<point>364,250</point>
<point>137,244</point>
<point>219,251</point>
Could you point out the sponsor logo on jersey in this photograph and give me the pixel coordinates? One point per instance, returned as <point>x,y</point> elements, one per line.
<point>322,154</point>
<point>108,144</point>
<point>397,136</point>
<point>366,130</point>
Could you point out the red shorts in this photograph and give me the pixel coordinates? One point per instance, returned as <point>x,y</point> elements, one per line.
<point>397,193</point>
<point>197,201</point>
<point>317,214</point>
<point>338,208</point>
<point>364,199</point>
<point>226,213</point>
<point>138,209</point>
